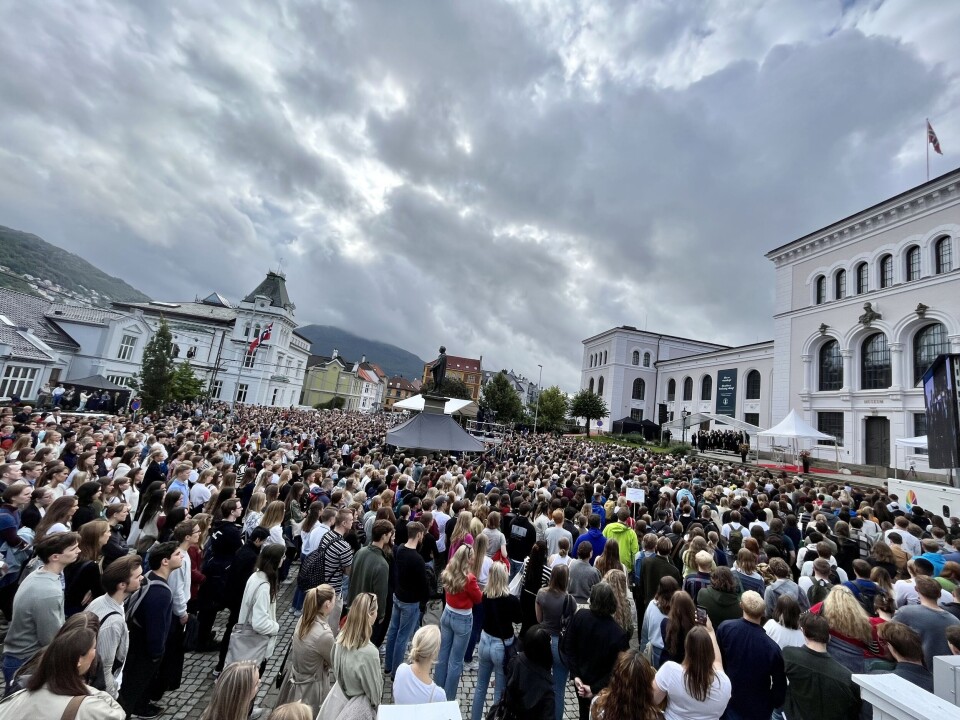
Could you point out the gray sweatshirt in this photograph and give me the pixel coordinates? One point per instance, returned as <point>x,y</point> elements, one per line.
<point>37,614</point>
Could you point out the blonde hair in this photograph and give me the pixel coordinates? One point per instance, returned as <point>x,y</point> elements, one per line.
<point>617,580</point>
<point>315,599</point>
<point>257,501</point>
<point>273,515</point>
<point>358,628</point>
<point>233,691</point>
<point>292,711</point>
<point>480,544</point>
<point>462,527</point>
<point>846,615</point>
<point>426,644</point>
<point>454,576</point>
<point>498,581</point>
<point>476,526</point>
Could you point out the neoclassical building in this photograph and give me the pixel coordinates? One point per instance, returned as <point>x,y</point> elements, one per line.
<point>862,308</point>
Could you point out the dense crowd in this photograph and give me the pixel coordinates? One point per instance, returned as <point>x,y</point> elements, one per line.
<point>727,591</point>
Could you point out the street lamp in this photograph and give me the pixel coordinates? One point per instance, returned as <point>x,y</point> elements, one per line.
<point>536,414</point>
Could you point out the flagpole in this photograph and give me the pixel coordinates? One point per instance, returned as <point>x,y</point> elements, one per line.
<point>926,138</point>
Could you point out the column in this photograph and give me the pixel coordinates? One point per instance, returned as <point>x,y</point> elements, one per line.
<point>807,373</point>
<point>847,370</point>
<point>896,366</point>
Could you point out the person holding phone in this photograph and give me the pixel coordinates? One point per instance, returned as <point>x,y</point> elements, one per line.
<point>697,687</point>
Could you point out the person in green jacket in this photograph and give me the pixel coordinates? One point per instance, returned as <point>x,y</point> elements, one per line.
<point>721,599</point>
<point>625,536</point>
<point>371,574</point>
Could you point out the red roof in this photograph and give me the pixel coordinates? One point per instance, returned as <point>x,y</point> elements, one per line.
<point>463,364</point>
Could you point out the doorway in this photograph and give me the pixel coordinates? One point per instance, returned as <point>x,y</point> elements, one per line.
<point>877,441</point>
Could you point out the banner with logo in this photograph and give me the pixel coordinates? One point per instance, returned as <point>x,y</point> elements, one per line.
<point>727,392</point>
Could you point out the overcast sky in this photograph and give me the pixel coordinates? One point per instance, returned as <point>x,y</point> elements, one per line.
<point>503,178</point>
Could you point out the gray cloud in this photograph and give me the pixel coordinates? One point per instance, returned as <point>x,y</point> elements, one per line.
<point>506,178</point>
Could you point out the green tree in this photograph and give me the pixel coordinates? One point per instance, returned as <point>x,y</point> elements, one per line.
<point>500,396</point>
<point>156,371</point>
<point>451,388</point>
<point>588,405</point>
<point>334,403</point>
<point>185,386</point>
<point>554,407</point>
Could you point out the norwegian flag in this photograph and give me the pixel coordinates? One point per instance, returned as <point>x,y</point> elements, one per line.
<point>261,339</point>
<point>932,139</point>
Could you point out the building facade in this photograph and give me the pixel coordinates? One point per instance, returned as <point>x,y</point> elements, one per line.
<point>466,370</point>
<point>331,377</point>
<point>398,388</point>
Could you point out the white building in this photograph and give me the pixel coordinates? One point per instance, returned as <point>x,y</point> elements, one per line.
<point>863,306</point>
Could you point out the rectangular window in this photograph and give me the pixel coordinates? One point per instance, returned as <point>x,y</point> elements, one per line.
<point>242,392</point>
<point>119,379</point>
<point>636,414</point>
<point>276,392</point>
<point>216,387</point>
<point>127,345</point>
<point>830,423</point>
<point>249,358</point>
<point>18,380</point>
<point>752,418</point>
<point>919,429</point>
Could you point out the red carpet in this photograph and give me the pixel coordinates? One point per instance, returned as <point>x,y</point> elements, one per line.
<point>794,468</point>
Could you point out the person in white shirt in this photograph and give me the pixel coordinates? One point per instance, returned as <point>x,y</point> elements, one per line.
<point>823,551</point>
<point>910,543</point>
<point>734,524</point>
<point>200,493</point>
<point>441,518</point>
<point>413,683</point>
<point>905,591</point>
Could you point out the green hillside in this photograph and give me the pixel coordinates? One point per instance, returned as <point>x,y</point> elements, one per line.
<point>24,253</point>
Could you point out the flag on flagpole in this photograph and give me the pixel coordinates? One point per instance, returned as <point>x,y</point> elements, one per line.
<point>932,139</point>
<point>260,339</point>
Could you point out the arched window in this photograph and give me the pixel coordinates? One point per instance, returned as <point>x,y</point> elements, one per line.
<point>646,359</point>
<point>635,358</point>
<point>246,330</point>
<point>821,290</point>
<point>688,388</point>
<point>256,330</point>
<point>913,263</point>
<point>840,284</point>
<point>863,278</point>
<point>600,386</point>
<point>639,389</point>
<point>943,256</point>
<point>928,343</point>
<point>706,388</point>
<point>590,385</point>
<point>886,271</point>
<point>671,390</point>
<point>753,385</point>
<point>875,371</point>
<point>831,367</point>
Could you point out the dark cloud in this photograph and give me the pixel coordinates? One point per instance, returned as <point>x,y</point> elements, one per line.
<point>505,178</point>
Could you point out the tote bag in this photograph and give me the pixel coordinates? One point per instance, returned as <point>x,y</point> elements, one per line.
<point>246,643</point>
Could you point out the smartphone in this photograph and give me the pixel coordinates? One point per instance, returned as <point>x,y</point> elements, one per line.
<point>701,615</point>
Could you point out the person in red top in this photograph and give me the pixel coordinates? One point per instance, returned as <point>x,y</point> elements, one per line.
<point>456,622</point>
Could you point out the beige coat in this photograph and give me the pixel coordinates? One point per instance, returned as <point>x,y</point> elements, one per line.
<point>308,675</point>
<point>44,705</point>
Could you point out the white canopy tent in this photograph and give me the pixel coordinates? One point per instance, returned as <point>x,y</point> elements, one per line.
<point>910,443</point>
<point>454,406</point>
<point>794,428</point>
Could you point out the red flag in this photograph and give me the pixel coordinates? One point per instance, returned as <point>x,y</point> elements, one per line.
<point>932,139</point>
<point>260,339</point>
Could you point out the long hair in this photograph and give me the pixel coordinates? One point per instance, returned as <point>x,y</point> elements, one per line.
<point>498,581</point>
<point>846,615</point>
<point>882,552</point>
<point>883,580</point>
<point>665,591</point>
<point>480,544</point>
<point>559,579</point>
<point>232,692</point>
<point>268,562</point>
<point>629,694</point>
<point>609,559</point>
<point>58,512</point>
<point>698,662</point>
<point>313,517</point>
<point>273,514</point>
<point>91,543</point>
<point>58,667</point>
<point>462,527</point>
<point>315,599</point>
<point>618,581</point>
<point>537,560</point>
<point>787,612</point>
<point>454,576</point>
<point>257,501</point>
<point>681,618</point>
<point>358,628</point>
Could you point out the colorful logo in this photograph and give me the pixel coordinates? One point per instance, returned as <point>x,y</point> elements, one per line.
<point>911,500</point>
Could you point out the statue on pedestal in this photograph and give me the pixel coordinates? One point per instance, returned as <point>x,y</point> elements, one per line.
<point>439,369</point>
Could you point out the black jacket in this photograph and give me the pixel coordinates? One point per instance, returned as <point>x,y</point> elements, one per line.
<point>240,571</point>
<point>529,693</point>
<point>590,647</point>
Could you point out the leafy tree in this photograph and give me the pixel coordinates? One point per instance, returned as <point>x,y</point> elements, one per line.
<point>451,388</point>
<point>334,403</point>
<point>185,386</point>
<point>500,396</point>
<point>554,407</point>
<point>588,405</point>
<point>156,371</point>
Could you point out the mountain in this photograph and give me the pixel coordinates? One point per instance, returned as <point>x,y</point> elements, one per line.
<point>394,360</point>
<point>30,264</point>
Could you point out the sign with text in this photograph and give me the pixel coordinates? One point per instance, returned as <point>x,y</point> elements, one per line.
<point>636,495</point>
<point>727,392</point>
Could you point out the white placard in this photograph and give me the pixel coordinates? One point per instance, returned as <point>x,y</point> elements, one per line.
<point>636,495</point>
<point>429,711</point>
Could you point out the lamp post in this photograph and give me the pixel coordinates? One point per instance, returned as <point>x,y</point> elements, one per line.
<point>536,413</point>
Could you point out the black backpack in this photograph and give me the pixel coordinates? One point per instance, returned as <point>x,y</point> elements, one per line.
<point>818,591</point>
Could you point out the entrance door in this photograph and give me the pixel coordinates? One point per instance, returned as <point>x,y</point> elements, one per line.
<point>877,441</point>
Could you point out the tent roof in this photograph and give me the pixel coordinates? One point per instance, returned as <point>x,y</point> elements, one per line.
<point>96,381</point>
<point>914,442</point>
<point>428,431</point>
<point>454,406</point>
<point>696,418</point>
<point>794,426</point>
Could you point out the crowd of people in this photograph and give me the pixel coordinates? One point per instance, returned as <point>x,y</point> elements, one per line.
<point>729,591</point>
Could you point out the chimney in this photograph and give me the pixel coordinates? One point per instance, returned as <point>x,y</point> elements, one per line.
<point>336,354</point>
<point>363,359</point>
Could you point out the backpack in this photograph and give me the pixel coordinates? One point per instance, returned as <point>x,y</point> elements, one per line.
<point>818,591</point>
<point>866,596</point>
<point>735,541</point>
<point>133,602</point>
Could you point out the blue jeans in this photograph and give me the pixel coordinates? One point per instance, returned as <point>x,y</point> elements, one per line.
<point>10,667</point>
<point>475,632</point>
<point>560,675</point>
<point>491,661</point>
<point>454,636</point>
<point>403,624</point>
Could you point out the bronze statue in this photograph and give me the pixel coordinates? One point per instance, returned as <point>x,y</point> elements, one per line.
<point>439,369</point>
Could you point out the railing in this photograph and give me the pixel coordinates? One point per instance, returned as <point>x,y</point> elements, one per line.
<point>894,698</point>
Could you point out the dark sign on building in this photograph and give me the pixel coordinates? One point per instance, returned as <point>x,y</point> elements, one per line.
<point>727,392</point>
<point>943,414</point>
